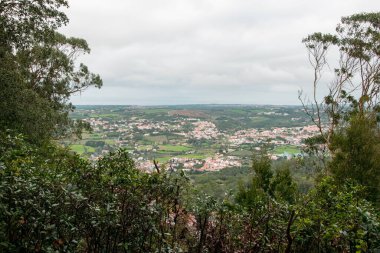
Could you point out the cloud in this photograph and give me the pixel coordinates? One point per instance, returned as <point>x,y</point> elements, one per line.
<point>201,51</point>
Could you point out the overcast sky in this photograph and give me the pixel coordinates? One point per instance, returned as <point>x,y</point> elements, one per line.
<point>156,52</point>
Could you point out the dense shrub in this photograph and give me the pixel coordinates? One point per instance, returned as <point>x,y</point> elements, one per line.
<point>52,200</point>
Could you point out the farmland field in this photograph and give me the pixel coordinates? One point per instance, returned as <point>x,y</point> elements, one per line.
<point>286,149</point>
<point>80,149</point>
<point>173,148</point>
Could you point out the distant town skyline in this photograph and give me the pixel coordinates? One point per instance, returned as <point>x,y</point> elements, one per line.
<point>201,51</point>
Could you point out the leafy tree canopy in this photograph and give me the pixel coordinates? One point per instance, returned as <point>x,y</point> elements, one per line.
<point>38,70</point>
<point>351,131</point>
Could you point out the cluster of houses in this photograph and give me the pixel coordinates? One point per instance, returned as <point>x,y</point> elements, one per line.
<point>215,163</point>
<point>200,129</point>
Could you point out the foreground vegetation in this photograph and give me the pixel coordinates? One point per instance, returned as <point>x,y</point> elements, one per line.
<point>52,200</point>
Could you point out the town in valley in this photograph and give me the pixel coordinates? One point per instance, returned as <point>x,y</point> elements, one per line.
<point>193,137</point>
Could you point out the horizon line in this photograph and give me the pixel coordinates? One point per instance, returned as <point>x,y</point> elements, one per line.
<point>213,104</point>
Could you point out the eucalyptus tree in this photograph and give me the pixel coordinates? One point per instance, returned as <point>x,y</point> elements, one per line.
<point>38,69</point>
<point>355,85</point>
<point>351,131</point>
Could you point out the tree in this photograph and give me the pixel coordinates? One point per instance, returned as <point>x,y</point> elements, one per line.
<point>266,184</point>
<point>351,131</point>
<point>335,218</point>
<point>38,70</point>
<point>283,186</point>
<point>356,152</point>
<point>356,83</point>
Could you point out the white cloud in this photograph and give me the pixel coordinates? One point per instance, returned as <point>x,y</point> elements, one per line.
<point>202,51</point>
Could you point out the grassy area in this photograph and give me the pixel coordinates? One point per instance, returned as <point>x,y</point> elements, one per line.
<point>173,148</point>
<point>238,111</point>
<point>106,115</point>
<point>286,149</point>
<point>80,149</point>
<point>163,159</point>
<point>156,139</point>
<point>241,153</point>
<point>94,136</point>
<point>193,156</point>
<point>259,119</point>
<point>110,141</point>
<point>144,147</point>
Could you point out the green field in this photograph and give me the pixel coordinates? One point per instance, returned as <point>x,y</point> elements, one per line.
<point>80,149</point>
<point>163,159</point>
<point>241,153</point>
<point>238,111</point>
<point>144,147</point>
<point>156,139</point>
<point>286,149</point>
<point>192,156</point>
<point>173,148</point>
<point>110,141</point>
<point>91,136</point>
<point>259,119</point>
<point>106,115</point>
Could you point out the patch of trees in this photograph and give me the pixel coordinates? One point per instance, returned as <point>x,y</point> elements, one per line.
<point>95,144</point>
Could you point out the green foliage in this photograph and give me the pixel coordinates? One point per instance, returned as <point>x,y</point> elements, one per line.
<point>356,151</point>
<point>336,219</point>
<point>352,106</point>
<point>266,184</point>
<point>283,186</point>
<point>95,144</point>
<point>218,183</point>
<point>356,78</point>
<point>27,22</point>
<point>261,165</point>
<point>38,72</point>
<point>52,200</point>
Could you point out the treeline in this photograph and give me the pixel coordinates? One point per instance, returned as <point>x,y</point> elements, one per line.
<point>51,200</point>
